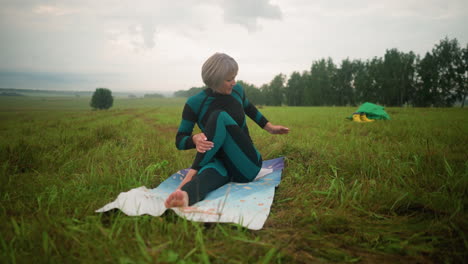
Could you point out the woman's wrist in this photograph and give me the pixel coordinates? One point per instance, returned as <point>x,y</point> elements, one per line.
<point>194,139</point>
<point>267,127</point>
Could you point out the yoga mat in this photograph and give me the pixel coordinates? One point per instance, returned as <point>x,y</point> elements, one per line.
<point>246,204</point>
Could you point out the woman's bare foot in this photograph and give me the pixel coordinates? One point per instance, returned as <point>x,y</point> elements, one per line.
<point>178,198</point>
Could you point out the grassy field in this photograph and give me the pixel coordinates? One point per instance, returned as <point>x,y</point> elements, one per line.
<point>382,192</point>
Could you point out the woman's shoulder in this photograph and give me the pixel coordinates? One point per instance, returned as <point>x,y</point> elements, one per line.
<point>196,100</point>
<point>239,90</point>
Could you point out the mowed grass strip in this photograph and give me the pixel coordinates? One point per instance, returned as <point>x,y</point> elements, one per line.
<point>387,191</point>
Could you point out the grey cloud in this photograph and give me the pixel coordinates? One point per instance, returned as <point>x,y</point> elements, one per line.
<point>247,12</point>
<point>149,32</point>
<point>146,33</point>
<point>145,18</point>
<point>421,9</point>
<point>139,22</point>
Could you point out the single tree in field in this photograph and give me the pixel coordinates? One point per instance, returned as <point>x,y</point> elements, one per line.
<point>102,99</point>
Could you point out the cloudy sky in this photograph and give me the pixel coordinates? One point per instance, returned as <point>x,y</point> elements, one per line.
<point>160,45</point>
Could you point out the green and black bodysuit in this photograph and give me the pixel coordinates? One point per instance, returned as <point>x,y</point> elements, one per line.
<point>222,118</point>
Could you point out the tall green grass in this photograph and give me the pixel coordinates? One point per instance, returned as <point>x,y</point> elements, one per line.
<point>391,191</point>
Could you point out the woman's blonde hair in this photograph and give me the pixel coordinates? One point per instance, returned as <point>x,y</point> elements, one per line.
<point>216,68</point>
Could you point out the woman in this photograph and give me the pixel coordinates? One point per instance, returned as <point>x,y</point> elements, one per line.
<point>225,151</point>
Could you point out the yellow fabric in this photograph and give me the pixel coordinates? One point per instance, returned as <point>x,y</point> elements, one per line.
<point>357,118</point>
<point>365,119</point>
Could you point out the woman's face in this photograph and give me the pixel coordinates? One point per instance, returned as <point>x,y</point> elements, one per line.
<point>228,83</point>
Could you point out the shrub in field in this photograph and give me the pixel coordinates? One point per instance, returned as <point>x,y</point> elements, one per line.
<point>102,99</point>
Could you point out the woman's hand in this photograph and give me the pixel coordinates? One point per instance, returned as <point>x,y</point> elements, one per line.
<point>201,142</point>
<point>275,129</point>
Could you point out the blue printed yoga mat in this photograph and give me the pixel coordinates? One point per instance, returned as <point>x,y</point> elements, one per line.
<point>247,204</point>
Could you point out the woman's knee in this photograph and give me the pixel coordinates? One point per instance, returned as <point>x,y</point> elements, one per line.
<point>220,116</point>
<point>214,115</point>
